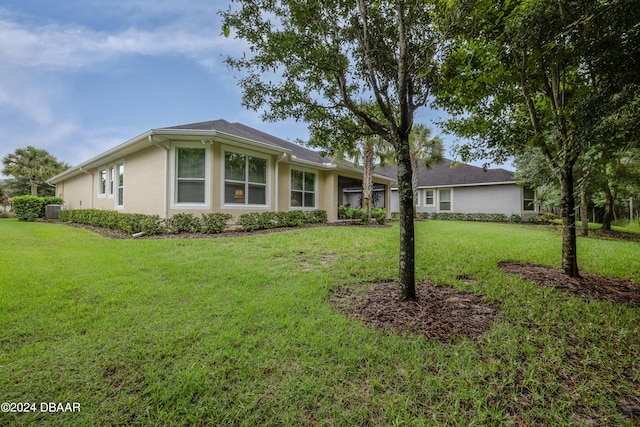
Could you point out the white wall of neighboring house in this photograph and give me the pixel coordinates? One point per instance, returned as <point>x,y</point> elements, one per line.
<point>504,199</point>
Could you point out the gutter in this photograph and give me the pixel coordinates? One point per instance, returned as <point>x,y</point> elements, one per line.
<point>165,208</point>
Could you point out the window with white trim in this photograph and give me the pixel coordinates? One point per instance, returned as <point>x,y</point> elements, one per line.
<point>429,198</point>
<point>112,179</point>
<point>245,179</point>
<point>445,200</point>
<point>190,175</point>
<point>303,189</point>
<point>528,196</point>
<point>102,182</point>
<point>120,185</point>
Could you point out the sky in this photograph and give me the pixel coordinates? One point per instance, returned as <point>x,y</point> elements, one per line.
<point>79,77</point>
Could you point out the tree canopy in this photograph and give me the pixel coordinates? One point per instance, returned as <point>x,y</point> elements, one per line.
<point>533,73</point>
<point>342,67</point>
<point>30,167</point>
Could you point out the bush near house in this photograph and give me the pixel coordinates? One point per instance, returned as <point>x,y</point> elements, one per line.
<point>148,224</point>
<point>31,208</point>
<point>253,221</point>
<point>480,217</point>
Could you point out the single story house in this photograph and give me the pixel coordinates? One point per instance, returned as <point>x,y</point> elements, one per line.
<point>213,166</point>
<point>457,187</point>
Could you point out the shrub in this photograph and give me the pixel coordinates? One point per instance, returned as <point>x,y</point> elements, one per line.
<point>183,222</point>
<point>353,214</point>
<point>379,214</point>
<point>213,223</point>
<point>130,223</point>
<point>547,217</point>
<point>315,217</point>
<point>515,218</point>
<point>28,208</point>
<point>253,221</point>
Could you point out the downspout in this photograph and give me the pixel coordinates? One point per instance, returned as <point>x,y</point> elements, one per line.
<point>165,213</point>
<point>280,159</point>
<point>92,182</point>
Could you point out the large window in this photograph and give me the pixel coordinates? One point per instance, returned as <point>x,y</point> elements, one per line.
<point>303,189</point>
<point>445,200</point>
<point>190,175</point>
<point>120,186</point>
<point>528,197</point>
<point>245,179</point>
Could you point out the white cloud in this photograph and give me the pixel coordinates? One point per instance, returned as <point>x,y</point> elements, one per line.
<point>55,47</point>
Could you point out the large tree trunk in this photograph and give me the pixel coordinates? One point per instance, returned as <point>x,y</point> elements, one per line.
<point>414,184</point>
<point>608,208</point>
<point>407,234</point>
<point>584,214</point>
<point>568,214</point>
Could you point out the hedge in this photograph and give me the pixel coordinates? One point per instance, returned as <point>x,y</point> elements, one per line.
<point>148,224</point>
<point>480,217</point>
<point>31,208</point>
<point>253,221</point>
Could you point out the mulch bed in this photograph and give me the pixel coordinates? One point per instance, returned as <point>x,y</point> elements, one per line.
<point>439,312</point>
<point>586,286</point>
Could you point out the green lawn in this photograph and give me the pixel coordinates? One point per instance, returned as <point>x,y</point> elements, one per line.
<point>238,331</point>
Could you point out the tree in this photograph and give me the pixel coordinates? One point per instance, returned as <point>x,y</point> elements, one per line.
<point>32,166</point>
<point>531,73</point>
<point>366,151</point>
<point>425,151</point>
<point>326,62</point>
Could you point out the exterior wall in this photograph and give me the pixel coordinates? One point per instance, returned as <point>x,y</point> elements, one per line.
<point>76,191</point>
<point>504,198</point>
<point>144,182</point>
<point>328,194</point>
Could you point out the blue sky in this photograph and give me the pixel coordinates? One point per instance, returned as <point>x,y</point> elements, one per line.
<point>79,77</point>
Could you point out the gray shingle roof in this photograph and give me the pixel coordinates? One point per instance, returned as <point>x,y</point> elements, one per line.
<point>243,131</point>
<point>442,174</point>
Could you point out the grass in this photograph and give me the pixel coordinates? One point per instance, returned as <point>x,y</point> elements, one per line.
<point>238,331</point>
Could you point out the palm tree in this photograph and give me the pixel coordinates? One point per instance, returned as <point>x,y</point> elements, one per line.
<point>366,151</point>
<point>425,151</point>
<point>33,165</point>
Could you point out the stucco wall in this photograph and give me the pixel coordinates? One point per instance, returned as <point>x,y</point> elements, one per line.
<point>504,198</point>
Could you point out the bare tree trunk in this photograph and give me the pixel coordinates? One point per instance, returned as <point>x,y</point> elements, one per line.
<point>407,233</point>
<point>568,214</point>
<point>584,214</point>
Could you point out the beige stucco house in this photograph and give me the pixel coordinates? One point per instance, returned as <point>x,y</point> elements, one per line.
<point>213,166</point>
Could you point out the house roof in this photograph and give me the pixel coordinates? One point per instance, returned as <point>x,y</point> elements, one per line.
<point>222,130</point>
<point>451,174</point>
<point>243,131</point>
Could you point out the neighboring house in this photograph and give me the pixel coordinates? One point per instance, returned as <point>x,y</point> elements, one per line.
<point>463,188</point>
<point>213,166</point>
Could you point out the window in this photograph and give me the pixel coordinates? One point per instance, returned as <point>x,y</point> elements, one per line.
<point>245,179</point>
<point>112,179</point>
<point>528,196</point>
<point>102,182</point>
<point>429,198</point>
<point>120,185</point>
<point>303,189</point>
<point>445,200</point>
<point>190,175</point>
